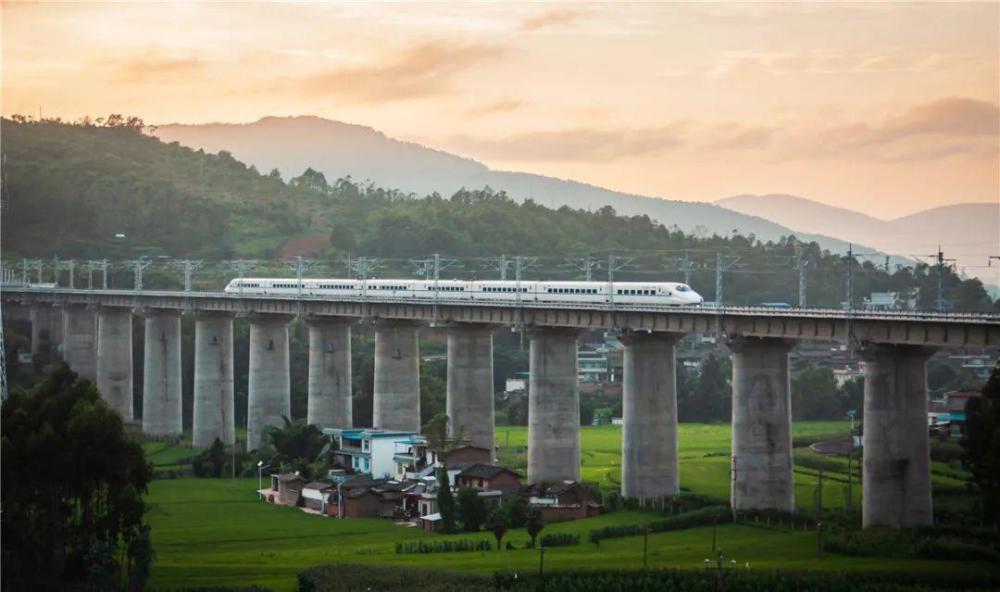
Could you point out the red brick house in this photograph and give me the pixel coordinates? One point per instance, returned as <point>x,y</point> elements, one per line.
<point>489,478</point>
<point>564,501</point>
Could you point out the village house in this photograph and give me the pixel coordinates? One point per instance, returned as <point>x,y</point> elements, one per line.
<point>288,487</point>
<point>319,495</point>
<point>488,478</point>
<point>368,451</point>
<point>568,500</point>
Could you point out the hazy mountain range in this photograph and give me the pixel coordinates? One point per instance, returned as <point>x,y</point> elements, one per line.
<point>968,232</point>
<point>337,149</point>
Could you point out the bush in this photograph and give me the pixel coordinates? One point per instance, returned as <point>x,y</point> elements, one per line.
<point>461,545</point>
<point>702,517</point>
<point>956,550</point>
<point>560,540</point>
<point>358,578</point>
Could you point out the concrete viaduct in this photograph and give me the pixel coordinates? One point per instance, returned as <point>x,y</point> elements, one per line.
<point>96,337</point>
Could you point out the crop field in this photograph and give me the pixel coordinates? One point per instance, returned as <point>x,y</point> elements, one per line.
<point>215,531</point>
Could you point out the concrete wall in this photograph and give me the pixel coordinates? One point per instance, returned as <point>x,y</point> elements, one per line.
<point>470,384</point>
<point>553,407</point>
<point>650,466</point>
<point>114,359</point>
<point>896,471</point>
<point>270,390</point>
<point>80,340</point>
<point>397,376</point>
<point>161,395</point>
<point>46,328</point>
<point>330,372</point>
<point>214,415</point>
<point>762,425</point>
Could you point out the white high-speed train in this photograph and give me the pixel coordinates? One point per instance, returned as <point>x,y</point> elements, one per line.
<point>669,293</point>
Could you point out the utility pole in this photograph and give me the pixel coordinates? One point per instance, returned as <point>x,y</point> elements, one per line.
<point>850,276</point>
<point>137,266</point>
<point>37,265</point>
<point>614,264</point>
<point>24,272</point>
<point>70,265</point>
<point>687,268</point>
<point>803,263</point>
<point>240,266</point>
<point>188,266</point>
<point>300,265</point>
<point>587,265</point>
<point>940,264</point>
<point>720,266</point>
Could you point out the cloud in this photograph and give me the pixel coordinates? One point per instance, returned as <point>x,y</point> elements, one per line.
<point>945,127</point>
<point>155,65</point>
<point>954,127</point>
<point>559,16</point>
<point>829,62</point>
<point>502,106</point>
<point>419,71</point>
<point>583,144</point>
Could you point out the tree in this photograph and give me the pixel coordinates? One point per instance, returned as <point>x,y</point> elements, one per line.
<point>516,510</point>
<point>445,501</point>
<point>471,509</point>
<point>209,463</point>
<point>815,395</point>
<point>296,441</point>
<point>498,524</point>
<point>981,445</point>
<point>72,491</point>
<point>535,524</point>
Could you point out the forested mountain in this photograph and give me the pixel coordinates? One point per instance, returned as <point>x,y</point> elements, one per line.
<point>71,188</point>
<point>339,149</point>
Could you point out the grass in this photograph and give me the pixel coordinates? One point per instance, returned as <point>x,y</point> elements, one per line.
<point>214,531</point>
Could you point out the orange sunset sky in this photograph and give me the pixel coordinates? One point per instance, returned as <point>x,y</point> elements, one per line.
<point>884,108</point>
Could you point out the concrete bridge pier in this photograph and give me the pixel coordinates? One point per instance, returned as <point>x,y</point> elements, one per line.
<point>762,425</point>
<point>161,387</point>
<point>896,470</point>
<point>46,328</point>
<point>269,385</point>
<point>397,376</point>
<point>650,466</point>
<point>330,372</point>
<point>470,384</point>
<point>80,335</point>
<point>553,406</point>
<point>114,358</point>
<point>214,415</point>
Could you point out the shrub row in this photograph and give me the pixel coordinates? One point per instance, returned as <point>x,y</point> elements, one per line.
<point>559,540</point>
<point>702,517</point>
<point>461,545</point>
<point>358,578</point>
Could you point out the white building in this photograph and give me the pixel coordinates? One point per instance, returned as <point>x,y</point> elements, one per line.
<point>368,451</point>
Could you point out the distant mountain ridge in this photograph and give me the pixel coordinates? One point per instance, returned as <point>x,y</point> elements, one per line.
<point>337,149</point>
<point>967,232</point>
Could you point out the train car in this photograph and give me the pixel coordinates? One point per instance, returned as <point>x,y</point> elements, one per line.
<point>638,293</point>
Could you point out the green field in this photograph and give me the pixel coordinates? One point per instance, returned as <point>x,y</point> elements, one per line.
<point>214,531</point>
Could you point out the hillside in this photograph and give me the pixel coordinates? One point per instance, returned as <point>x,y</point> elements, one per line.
<point>72,188</point>
<point>338,149</point>
<point>973,229</point>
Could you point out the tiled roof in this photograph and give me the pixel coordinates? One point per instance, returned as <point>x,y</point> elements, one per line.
<point>481,471</point>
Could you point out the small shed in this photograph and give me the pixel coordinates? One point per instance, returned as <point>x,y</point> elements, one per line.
<point>317,495</point>
<point>289,487</point>
<point>431,522</point>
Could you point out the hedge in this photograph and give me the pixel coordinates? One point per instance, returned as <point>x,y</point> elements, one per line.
<point>359,578</point>
<point>702,517</point>
<point>559,540</point>
<point>459,546</point>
